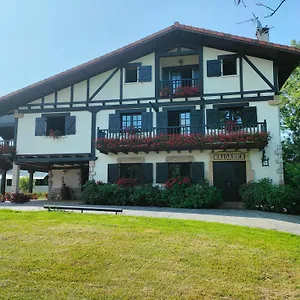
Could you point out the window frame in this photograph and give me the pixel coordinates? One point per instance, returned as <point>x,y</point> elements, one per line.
<point>123,169</point>
<point>222,66</point>
<point>137,73</point>
<point>55,130</point>
<point>181,165</point>
<point>131,115</point>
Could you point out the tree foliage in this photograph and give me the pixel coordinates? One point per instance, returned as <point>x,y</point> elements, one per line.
<point>24,184</point>
<point>290,114</point>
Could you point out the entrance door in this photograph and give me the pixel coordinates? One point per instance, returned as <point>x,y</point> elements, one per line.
<point>228,177</point>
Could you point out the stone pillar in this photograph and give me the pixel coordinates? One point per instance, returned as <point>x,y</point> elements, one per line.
<point>50,184</point>
<point>3,181</point>
<point>92,172</point>
<point>15,178</point>
<point>31,174</point>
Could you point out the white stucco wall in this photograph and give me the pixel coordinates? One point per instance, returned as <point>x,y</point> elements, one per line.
<point>141,89</point>
<point>220,84</point>
<point>28,143</point>
<point>271,114</point>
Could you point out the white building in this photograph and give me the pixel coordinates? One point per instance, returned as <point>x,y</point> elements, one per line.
<point>196,99</point>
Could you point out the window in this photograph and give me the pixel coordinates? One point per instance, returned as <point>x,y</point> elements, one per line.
<point>131,74</point>
<point>179,169</point>
<point>131,171</point>
<point>9,182</point>
<point>60,124</point>
<point>131,121</point>
<point>56,125</point>
<point>39,182</point>
<point>229,66</point>
<point>179,121</point>
<point>232,114</point>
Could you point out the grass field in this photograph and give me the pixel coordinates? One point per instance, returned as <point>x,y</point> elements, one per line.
<point>56,255</point>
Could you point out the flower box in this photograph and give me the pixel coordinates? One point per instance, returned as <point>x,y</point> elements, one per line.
<point>178,142</point>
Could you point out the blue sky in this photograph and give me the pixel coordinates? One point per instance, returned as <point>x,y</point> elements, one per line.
<point>40,38</point>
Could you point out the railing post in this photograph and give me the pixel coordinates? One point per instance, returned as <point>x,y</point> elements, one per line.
<point>265,125</point>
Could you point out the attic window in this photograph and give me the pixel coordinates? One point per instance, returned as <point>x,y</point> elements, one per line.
<point>131,74</point>
<point>56,124</point>
<point>229,66</point>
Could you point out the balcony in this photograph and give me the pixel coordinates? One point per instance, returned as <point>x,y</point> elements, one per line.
<point>179,88</point>
<point>7,147</point>
<point>181,138</point>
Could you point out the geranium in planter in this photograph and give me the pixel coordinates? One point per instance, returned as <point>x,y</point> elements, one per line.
<point>55,134</point>
<point>7,196</point>
<point>165,92</point>
<point>184,91</point>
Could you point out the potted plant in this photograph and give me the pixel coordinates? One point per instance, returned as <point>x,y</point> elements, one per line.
<point>2,198</point>
<point>55,134</point>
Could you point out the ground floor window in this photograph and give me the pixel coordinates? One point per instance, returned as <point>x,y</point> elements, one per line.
<point>179,169</point>
<point>131,171</point>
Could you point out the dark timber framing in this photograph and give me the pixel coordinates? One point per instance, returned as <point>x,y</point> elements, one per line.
<point>87,90</point>
<point>275,79</point>
<point>241,71</point>
<point>94,112</point>
<point>103,84</point>
<point>72,96</point>
<point>158,103</point>
<point>262,76</point>
<point>157,77</point>
<point>121,84</point>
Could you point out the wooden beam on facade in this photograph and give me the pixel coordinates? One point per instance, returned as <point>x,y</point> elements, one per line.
<point>103,84</point>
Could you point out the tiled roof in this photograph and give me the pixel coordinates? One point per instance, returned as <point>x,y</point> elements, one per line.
<point>176,25</point>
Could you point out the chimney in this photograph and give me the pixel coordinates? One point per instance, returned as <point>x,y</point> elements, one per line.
<point>262,33</point>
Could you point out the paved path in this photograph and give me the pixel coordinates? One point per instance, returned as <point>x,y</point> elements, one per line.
<point>280,222</point>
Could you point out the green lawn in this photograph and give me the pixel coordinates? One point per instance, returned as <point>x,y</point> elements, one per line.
<point>56,255</point>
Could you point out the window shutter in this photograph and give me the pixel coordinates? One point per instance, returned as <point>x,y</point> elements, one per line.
<point>113,173</point>
<point>197,172</point>
<point>162,172</point>
<point>162,122</point>
<point>212,117</point>
<point>213,68</point>
<point>70,125</point>
<point>40,126</point>
<point>145,73</point>
<point>196,121</point>
<point>147,123</point>
<point>147,170</point>
<point>249,116</point>
<point>114,122</point>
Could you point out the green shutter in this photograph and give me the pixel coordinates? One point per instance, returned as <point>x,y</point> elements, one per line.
<point>162,122</point>
<point>145,73</point>
<point>212,118</point>
<point>40,126</point>
<point>196,121</point>
<point>147,171</point>
<point>197,172</point>
<point>114,122</point>
<point>249,115</point>
<point>70,125</point>
<point>147,123</point>
<point>113,173</point>
<point>214,68</point>
<point>161,172</point>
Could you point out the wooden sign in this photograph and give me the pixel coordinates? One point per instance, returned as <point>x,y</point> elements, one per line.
<point>234,156</point>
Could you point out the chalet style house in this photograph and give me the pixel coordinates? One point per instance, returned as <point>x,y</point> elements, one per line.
<point>200,102</point>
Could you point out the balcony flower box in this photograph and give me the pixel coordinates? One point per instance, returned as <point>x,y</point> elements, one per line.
<point>178,142</point>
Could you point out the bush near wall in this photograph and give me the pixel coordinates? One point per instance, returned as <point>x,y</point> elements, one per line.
<point>178,193</point>
<point>266,196</point>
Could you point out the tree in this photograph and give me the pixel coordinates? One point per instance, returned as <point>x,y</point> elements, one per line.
<point>290,121</point>
<point>272,10</point>
<point>290,113</point>
<point>24,184</point>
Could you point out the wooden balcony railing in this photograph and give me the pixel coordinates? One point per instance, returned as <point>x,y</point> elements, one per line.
<point>183,138</point>
<point>179,88</point>
<point>7,147</point>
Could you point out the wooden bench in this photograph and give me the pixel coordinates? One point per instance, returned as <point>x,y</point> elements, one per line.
<point>82,208</point>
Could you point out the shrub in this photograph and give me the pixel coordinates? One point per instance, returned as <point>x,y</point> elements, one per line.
<point>202,196</point>
<point>265,196</point>
<point>19,198</point>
